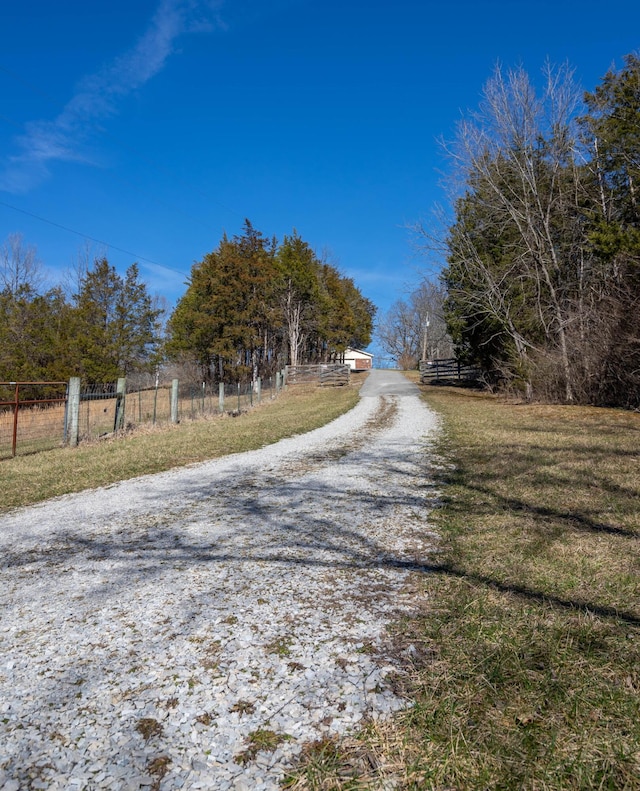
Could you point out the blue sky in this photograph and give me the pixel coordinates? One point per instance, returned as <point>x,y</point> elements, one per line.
<point>156,125</point>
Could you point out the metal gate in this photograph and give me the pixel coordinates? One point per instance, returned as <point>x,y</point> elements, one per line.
<point>32,416</point>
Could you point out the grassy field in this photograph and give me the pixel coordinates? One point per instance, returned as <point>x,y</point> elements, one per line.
<point>30,479</point>
<point>525,664</point>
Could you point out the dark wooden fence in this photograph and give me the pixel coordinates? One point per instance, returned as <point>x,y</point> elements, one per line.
<point>432,371</point>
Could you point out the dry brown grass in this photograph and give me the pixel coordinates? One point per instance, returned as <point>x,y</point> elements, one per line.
<point>370,760</point>
<point>38,429</point>
<point>42,427</point>
<point>561,485</point>
<point>30,479</point>
<point>525,665</point>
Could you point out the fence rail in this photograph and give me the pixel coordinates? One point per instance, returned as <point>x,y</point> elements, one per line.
<point>450,369</point>
<point>37,416</point>
<point>328,374</point>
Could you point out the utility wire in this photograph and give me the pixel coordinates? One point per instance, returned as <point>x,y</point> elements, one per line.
<point>93,239</point>
<point>39,92</point>
<point>132,184</point>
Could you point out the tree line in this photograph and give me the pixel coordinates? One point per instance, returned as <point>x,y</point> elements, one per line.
<point>542,271</point>
<point>415,329</point>
<point>104,328</point>
<point>251,306</point>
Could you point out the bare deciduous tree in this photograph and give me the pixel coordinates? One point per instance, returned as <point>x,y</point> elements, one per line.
<point>20,267</point>
<point>415,328</point>
<point>519,157</point>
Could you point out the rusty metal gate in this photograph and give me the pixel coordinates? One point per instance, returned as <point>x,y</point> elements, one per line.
<point>32,416</point>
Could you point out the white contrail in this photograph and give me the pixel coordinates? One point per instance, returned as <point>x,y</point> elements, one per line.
<point>97,96</point>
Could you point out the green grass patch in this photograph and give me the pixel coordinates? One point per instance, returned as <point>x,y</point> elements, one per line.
<point>530,671</point>
<point>524,667</point>
<point>260,740</point>
<point>30,479</point>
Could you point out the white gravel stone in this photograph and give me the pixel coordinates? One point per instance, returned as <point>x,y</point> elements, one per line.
<point>169,617</point>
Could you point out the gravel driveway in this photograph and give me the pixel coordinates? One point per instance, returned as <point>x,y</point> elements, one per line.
<point>194,629</point>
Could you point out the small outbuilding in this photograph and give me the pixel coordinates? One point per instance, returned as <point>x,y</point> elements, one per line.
<point>358,360</point>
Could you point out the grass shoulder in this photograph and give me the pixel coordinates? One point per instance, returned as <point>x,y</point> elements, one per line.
<point>524,667</point>
<point>531,678</point>
<point>30,479</point>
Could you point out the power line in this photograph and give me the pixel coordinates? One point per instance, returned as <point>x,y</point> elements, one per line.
<point>156,166</point>
<point>93,239</point>
<point>129,183</point>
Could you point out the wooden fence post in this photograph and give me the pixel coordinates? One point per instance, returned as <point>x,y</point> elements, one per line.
<point>221,397</point>
<point>121,388</point>
<point>16,408</point>
<point>259,389</point>
<point>72,425</point>
<point>174,401</point>
<point>155,401</point>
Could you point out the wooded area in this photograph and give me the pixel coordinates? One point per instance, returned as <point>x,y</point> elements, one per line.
<point>102,327</point>
<point>543,257</point>
<point>415,328</point>
<point>250,307</point>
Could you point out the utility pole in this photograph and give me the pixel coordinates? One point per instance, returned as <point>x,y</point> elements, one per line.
<point>425,335</point>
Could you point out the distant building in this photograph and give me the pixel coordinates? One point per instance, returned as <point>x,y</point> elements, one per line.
<point>358,360</point>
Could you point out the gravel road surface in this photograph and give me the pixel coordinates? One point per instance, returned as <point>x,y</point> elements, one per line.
<point>194,629</point>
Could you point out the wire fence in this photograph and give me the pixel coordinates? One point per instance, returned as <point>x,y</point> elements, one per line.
<point>34,415</point>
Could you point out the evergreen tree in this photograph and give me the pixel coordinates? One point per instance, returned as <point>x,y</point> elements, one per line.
<point>115,325</point>
<point>613,131</point>
<point>515,252</point>
<point>612,128</point>
<point>137,324</point>
<point>346,316</point>
<point>543,273</point>
<point>225,319</point>
<point>250,306</point>
<point>33,326</point>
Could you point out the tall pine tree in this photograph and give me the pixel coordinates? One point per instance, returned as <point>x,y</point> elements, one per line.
<point>115,324</point>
